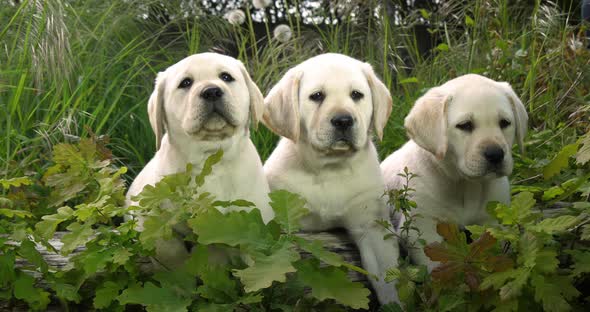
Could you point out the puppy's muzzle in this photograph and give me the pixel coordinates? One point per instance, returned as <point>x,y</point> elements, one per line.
<point>342,124</point>
<point>211,94</point>
<point>494,155</point>
<point>343,135</point>
<point>215,106</point>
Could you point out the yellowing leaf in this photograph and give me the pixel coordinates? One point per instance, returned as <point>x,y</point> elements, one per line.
<point>9,213</point>
<point>16,182</point>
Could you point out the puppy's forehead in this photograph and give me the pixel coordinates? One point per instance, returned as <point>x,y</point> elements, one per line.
<point>328,73</point>
<point>481,102</point>
<point>204,65</point>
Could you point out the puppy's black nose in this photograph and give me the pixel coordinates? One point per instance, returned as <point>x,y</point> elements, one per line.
<point>211,93</point>
<point>342,122</point>
<point>493,154</point>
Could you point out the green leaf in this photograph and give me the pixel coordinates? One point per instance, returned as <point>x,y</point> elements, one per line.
<point>409,80</point>
<point>94,259</point>
<point>217,285</point>
<point>560,162</point>
<point>332,283</point>
<point>317,249</point>
<point>546,261</point>
<point>513,288</point>
<point>585,232</point>
<point>236,228</point>
<point>449,302</point>
<point>154,298</point>
<point>555,225</point>
<point>28,251</point>
<point>7,271</point>
<point>208,167</point>
<point>552,192</point>
<point>16,182</point>
<point>183,284</point>
<point>46,228</point>
<point>106,294</point>
<point>66,292</point>
<point>158,227</point>
<point>519,211</point>
<point>9,213</point>
<point>24,289</point>
<point>443,47</point>
<point>498,279</point>
<point>469,21</point>
<point>289,208</point>
<point>553,292</point>
<point>78,236</point>
<point>267,269</point>
<point>425,14</point>
<point>121,256</point>
<point>581,261</point>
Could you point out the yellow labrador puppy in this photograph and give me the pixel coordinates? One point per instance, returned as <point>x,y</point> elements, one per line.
<point>199,105</point>
<point>324,109</point>
<point>461,136</point>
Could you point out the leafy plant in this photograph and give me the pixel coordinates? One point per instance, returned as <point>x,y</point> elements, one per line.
<point>526,259</point>
<point>262,270</point>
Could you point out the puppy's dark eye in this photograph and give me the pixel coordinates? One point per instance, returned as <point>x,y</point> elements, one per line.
<point>226,77</point>
<point>317,97</point>
<point>466,126</point>
<point>355,95</point>
<point>185,83</point>
<point>505,123</point>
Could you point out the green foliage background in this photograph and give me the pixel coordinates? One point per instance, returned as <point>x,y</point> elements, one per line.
<point>76,69</point>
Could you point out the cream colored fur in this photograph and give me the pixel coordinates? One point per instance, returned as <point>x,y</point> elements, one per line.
<point>187,132</point>
<point>455,181</point>
<point>341,181</point>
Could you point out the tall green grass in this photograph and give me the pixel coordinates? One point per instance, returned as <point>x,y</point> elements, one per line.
<point>68,68</point>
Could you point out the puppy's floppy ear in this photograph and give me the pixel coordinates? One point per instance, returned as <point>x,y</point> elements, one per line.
<point>382,103</point>
<point>426,123</point>
<point>156,109</point>
<point>256,98</point>
<point>521,117</point>
<point>281,106</point>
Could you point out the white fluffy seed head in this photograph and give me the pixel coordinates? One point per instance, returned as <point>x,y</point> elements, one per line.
<point>235,17</point>
<point>282,33</point>
<point>261,4</point>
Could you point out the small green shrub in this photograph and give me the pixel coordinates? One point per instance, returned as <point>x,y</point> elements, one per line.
<point>86,193</point>
<point>524,261</point>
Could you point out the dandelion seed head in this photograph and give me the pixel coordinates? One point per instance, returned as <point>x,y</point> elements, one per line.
<point>235,17</point>
<point>282,33</point>
<point>261,4</point>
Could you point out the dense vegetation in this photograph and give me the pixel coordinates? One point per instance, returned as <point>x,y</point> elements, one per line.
<point>71,70</point>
